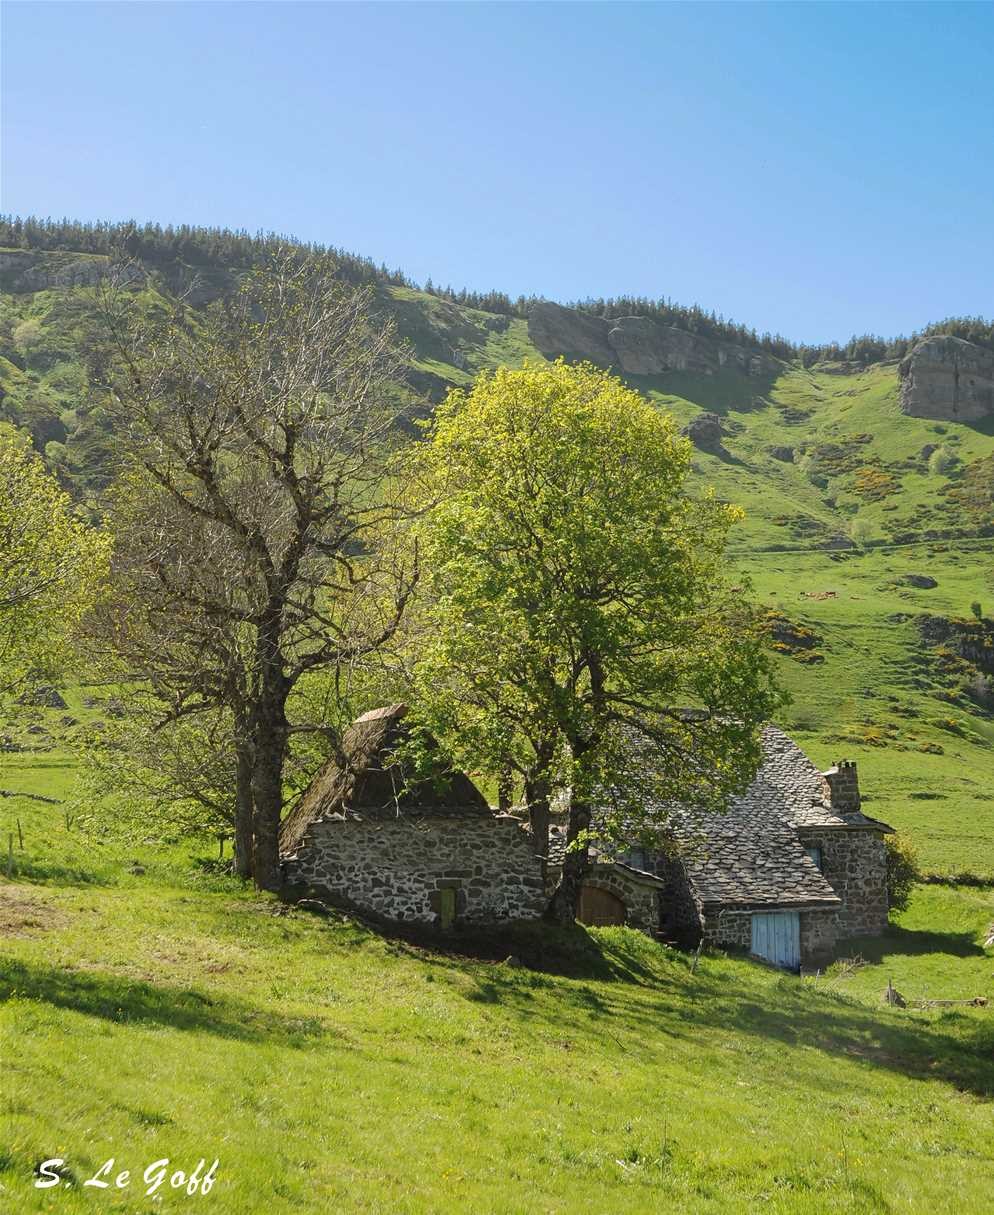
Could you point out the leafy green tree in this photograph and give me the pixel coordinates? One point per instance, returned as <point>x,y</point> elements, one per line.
<point>27,336</point>
<point>942,461</point>
<point>861,531</point>
<point>136,769</point>
<point>51,566</point>
<point>181,771</point>
<point>575,600</point>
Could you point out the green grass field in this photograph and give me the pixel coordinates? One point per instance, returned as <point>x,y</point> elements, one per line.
<point>152,1011</point>
<point>925,751</point>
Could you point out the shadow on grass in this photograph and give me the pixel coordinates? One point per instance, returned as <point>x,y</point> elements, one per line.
<point>128,1002</point>
<point>724,455</point>
<point>983,426</point>
<point>44,872</point>
<point>668,1002</point>
<point>537,946</point>
<point>899,940</point>
<point>724,392</point>
<point>647,994</point>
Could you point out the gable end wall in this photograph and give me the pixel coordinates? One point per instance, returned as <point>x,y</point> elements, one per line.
<point>395,868</point>
<point>854,864</point>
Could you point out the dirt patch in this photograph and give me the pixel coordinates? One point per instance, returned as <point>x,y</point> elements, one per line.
<point>24,914</point>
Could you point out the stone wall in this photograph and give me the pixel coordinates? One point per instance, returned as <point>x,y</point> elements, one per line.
<point>819,933</point>
<point>855,866</point>
<point>733,930</point>
<point>641,899</point>
<point>728,929</point>
<point>396,868</point>
<point>681,912</point>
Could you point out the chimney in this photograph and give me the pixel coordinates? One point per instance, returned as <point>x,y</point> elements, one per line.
<point>843,787</point>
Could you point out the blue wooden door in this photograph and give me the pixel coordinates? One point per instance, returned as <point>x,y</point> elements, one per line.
<point>776,936</point>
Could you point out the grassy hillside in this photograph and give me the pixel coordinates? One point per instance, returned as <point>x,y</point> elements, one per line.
<point>836,530</point>
<point>151,1008</point>
<point>865,681</point>
<point>818,459</point>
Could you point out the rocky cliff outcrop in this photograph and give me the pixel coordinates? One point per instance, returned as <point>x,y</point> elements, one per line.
<point>30,271</point>
<point>705,431</point>
<point>637,345</point>
<point>946,378</point>
<point>556,330</point>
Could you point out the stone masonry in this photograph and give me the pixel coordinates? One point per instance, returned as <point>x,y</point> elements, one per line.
<point>639,893</point>
<point>757,857</point>
<point>733,930</point>
<point>395,868</point>
<point>854,864</point>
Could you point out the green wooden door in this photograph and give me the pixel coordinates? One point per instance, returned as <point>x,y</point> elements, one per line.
<point>447,908</point>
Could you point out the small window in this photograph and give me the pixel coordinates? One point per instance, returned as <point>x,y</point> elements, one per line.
<point>636,857</point>
<point>815,854</point>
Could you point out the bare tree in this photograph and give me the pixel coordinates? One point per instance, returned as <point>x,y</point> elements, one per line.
<point>172,633</point>
<point>260,506</point>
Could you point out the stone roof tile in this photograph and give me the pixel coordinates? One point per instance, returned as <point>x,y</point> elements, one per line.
<point>751,855</point>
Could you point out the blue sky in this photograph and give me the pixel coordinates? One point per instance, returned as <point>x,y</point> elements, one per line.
<point>813,169</point>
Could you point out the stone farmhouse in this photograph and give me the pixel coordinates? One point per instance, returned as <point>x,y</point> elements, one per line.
<point>369,837</point>
<point>792,867</point>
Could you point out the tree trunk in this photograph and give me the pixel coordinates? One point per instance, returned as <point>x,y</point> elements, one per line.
<point>565,898</point>
<point>267,798</point>
<point>537,796</point>
<point>505,790</point>
<point>270,737</point>
<point>244,809</point>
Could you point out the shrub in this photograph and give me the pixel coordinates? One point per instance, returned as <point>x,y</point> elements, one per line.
<point>27,336</point>
<point>941,462</point>
<point>977,610</point>
<point>902,871</point>
<point>873,484</point>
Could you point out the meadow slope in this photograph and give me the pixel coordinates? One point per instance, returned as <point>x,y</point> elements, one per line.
<point>169,1014</point>
<point>152,1008</point>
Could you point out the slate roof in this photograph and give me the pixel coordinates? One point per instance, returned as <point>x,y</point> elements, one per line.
<point>365,783</point>
<point>751,855</point>
<point>788,771</point>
